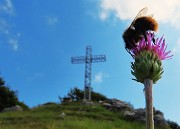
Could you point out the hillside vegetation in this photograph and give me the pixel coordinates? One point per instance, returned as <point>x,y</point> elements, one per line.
<point>8,97</point>
<point>72,113</point>
<point>77,116</point>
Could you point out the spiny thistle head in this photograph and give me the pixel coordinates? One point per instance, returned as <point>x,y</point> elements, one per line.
<point>148,56</point>
<point>158,48</point>
<point>147,66</point>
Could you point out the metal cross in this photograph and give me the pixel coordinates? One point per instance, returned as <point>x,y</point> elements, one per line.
<point>88,60</point>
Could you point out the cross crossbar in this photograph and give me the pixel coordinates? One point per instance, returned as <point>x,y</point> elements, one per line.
<point>82,59</point>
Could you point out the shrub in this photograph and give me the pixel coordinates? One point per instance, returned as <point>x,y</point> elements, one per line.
<point>78,94</point>
<point>8,98</point>
<point>173,125</point>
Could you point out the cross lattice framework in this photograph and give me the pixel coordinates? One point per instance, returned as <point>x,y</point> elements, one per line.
<point>88,60</point>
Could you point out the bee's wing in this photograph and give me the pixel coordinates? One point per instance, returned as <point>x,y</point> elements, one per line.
<point>150,15</point>
<point>140,13</point>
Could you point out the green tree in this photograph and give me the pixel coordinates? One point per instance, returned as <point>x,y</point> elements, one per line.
<point>95,96</point>
<point>78,94</point>
<point>8,98</point>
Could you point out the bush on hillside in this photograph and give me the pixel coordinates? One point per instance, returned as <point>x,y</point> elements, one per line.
<point>173,125</point>
<point>8,98</point>
<point>78,94</point>
<point>75,94</point>
<point>98,96</point>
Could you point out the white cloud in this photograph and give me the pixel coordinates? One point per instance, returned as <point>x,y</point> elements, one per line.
<point>4,27</point>
<point>176,49</point>
<point>103,16</point>
<point>51,20</point>
<point>99,77</point>
<point>6,32</point>
<point>10,38</point>
<point>14,44</point>
<point>167,11</point>
<point>35,76</point>
<point>7,7</point>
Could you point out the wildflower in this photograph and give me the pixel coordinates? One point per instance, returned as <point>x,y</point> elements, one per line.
<point>158,48</point>
<point>148,57</point>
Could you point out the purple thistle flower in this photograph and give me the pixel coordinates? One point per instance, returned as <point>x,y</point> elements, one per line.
<point>158,48</point>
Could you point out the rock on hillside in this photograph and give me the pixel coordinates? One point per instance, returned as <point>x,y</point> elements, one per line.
<point>133,114</point>
<point>14,108</point>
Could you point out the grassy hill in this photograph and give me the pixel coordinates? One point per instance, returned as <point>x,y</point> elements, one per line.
<point>77,116</point>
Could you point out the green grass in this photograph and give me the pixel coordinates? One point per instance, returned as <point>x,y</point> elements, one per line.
<point>78,116</point>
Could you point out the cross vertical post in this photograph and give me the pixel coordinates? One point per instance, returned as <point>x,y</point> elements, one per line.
<point>88,60</point>
<point>87,78</point>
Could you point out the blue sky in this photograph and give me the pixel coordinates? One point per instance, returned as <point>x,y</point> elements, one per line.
<point>38,38</point>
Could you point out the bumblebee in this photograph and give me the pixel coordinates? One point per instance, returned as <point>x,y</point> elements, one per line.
<point>138,28</point>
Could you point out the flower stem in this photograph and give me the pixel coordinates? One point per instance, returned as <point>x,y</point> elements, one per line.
<point>149,103</point>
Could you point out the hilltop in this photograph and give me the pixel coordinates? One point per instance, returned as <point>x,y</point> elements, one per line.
<point>74,113</point>
<point>69,115</point>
